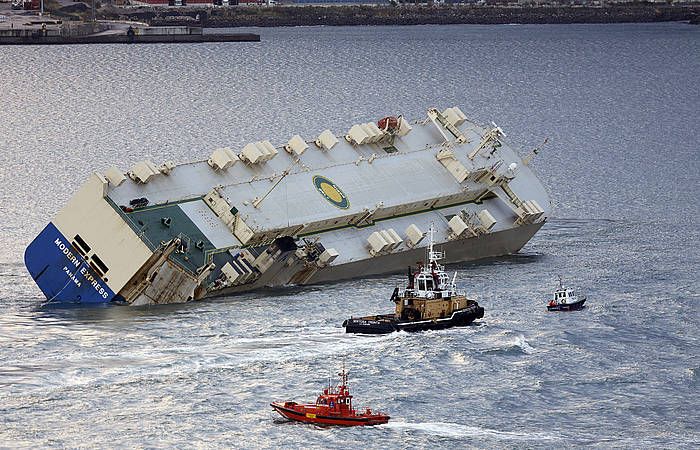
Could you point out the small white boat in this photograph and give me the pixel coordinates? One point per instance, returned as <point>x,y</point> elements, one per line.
<point>566,299</point>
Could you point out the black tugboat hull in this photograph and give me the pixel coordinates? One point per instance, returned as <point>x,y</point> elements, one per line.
<point>568,307</point>
<point>388,324</point>
<point>371,324</point>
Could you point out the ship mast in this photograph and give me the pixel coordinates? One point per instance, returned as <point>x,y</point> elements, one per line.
<point>343,376</point>
<point>432,256</point>
<point>429,256</point>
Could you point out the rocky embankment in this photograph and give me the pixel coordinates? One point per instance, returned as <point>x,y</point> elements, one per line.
<point>405,15</point>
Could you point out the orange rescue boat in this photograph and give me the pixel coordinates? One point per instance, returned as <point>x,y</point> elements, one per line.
<point>332,407</point>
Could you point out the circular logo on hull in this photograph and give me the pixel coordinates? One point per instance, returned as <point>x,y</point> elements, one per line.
<point>331,192</point>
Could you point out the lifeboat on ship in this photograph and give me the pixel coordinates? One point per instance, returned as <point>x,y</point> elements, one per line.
<point>333,407</point>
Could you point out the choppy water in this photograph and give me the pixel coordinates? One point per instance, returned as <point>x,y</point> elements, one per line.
<point>620,104</point>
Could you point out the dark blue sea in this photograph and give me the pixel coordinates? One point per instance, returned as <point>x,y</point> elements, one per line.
<point>620,105</point>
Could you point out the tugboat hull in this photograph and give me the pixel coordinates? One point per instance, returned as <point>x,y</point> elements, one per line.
<point>298,413</point>
<point>567,307</point>
<point>388,323</point>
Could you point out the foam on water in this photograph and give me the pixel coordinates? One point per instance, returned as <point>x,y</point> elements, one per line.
<point>458,431</point>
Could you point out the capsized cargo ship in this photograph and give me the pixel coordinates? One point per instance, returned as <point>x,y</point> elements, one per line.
<point>316,209</point>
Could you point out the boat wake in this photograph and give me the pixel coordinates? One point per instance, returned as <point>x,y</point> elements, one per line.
<point>517,345</point>
<point>456,430</point>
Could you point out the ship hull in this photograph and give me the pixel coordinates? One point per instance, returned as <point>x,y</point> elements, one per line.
<point>491,245</point>
<point>345,421</point>
<point>389,324</point>
<point>62,274</point>
<point>568,307</point>
<point>501,243</point>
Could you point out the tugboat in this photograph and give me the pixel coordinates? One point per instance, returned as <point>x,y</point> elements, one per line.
<point>565,299</point>
<point>430,301</point>
<point>332,407</point>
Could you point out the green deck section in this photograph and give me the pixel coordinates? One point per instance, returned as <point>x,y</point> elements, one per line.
<point>162,223</point>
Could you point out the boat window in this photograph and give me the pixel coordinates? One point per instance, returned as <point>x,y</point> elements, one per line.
<point>98,262</point>
<point>81,245</point>
<point>421,285</point>
<point>429,284</point>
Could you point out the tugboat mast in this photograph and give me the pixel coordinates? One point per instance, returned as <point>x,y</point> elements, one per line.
<point>343,376</point>
<point>432,256</point>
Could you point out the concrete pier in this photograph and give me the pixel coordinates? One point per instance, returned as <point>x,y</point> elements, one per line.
<point>37,38</point>
<point>32,29</point>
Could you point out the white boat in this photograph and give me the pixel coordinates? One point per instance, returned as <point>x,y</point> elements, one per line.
<point>565,299</point>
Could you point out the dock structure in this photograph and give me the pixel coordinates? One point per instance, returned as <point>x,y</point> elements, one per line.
<point>33,39</point>
<point>41,30</point>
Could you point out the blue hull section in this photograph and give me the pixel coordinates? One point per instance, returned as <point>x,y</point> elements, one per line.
<point>61,272</point>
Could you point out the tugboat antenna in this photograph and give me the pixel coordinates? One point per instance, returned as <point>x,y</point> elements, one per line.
<point>344,375</point>
<point>432,233</point>
<point>432,256</point>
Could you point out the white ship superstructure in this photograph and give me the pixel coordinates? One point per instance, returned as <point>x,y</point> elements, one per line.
<point>317,208</point>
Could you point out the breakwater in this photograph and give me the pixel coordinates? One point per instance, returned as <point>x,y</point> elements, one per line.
<point>58,33</point>
<point>40,39</point>
<point>409,15</point>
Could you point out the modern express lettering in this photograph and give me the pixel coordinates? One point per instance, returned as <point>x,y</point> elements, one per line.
<point>83,270</point>
<point>66,251</point>
<point>93,281</point>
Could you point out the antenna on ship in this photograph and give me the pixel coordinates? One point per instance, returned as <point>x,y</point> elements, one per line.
<point>433,256</point>
<point>528,159</point>
<point>343,376</point>
<point>429,250</point>
<point>257,201</point>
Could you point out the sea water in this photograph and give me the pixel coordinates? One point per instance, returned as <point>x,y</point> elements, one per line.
<point>619,105</point>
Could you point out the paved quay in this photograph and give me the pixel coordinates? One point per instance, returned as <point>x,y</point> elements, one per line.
<point>32,28</point>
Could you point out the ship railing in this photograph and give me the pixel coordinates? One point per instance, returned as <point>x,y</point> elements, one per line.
<point>140,232</point>
<point>209,254</point>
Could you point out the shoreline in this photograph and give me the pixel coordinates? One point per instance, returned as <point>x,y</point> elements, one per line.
<point>186,25</point>
<point>358,15</point>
